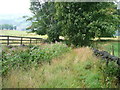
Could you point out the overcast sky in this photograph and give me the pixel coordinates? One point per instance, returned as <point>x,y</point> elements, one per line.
<point>14,6</point>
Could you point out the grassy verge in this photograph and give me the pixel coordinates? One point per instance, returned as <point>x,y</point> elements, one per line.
<point>77,69</point>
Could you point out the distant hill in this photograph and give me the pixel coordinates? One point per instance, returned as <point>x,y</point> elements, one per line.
<point>16,20</point>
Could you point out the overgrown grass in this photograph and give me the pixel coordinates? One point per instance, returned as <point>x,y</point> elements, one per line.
<point>24,57</point>
<point>77,69</point>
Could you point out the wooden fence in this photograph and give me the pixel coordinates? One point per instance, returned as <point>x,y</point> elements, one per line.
<point>5,39</point>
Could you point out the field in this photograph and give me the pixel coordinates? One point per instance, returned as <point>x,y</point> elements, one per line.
<point>57,66</point>
<point>110,46</point>
<point>116,46</point>
<point>112,38</point>
<point>20,33</point>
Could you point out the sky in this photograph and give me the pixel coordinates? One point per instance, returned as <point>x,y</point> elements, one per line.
<point>14,7</point>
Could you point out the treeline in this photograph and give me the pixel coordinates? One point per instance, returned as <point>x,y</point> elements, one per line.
<point>7,27</point>
<point>78,22</point>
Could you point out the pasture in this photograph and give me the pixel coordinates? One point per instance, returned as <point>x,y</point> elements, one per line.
<point>15,40</point>
<point>110,46</point>
<point>116,46</point>
<point>21,33</point>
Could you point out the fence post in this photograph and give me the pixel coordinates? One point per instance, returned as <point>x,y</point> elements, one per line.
<point>36,41</point>
<point>21,40</point>
<point>30,40</point>
<point>7,40</point>
<point>39,40</point>
<point>112,50</point>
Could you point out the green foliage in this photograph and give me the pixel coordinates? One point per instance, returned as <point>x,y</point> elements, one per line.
<point>83,21</point>
<point>15,58</point>
<point>111,70</point>
<point>110,73</point>
<point>43,21</point>
<point>76,22</point>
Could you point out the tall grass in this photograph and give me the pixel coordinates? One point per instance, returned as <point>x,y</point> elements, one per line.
<point>24,57</point>
<point>76,69</point>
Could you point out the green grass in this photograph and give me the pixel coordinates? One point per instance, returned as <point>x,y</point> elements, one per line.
<point>107,46</point>
<point>76,69</point>
<point>115,46</point>
<point>20,33</point>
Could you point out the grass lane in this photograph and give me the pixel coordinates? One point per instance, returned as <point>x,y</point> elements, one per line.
<point>76,69</point>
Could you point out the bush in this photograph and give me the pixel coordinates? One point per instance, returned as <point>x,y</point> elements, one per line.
<point>34,55</point>
<point>110,73</point>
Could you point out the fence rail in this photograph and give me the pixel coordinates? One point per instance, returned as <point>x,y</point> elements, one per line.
<point>19,39</point>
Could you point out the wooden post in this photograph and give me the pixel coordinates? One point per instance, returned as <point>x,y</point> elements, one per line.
<point>21,41</point>
<point>7,40</point>
<point>112,50</point>
<point>40,40</point>
<point>30,40</point>
<point>36,41</point>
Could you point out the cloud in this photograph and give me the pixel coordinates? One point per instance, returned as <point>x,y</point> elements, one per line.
<point>14,6</point>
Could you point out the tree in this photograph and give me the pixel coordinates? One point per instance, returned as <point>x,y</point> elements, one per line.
<point>83,21</point>
<point>43,21</point>
<point>78,22</point>
<point>14,27</point>
<point>6,27</point>
<point>0,27</point>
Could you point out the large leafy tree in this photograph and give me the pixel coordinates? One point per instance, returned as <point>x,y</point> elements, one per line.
<point>83,21</point>
<point>77,22</point>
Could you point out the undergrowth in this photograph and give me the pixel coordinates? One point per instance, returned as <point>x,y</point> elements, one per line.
<point>25,57</point>
<point>77,69</point>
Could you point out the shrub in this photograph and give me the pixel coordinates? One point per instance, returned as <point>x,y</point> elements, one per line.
<point>14,58</point>
<point>110,74</point>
